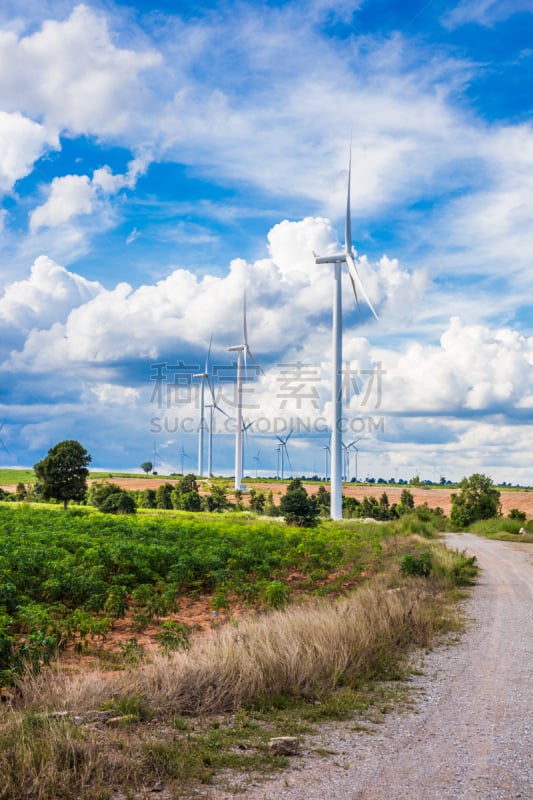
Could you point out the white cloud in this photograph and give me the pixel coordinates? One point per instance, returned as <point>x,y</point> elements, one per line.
<point>475,369</point>
<point>75,195</point>
<point>484,12</point>
<point>22,142</point>
<point>45,298</point>
<point>71,74</point>
<point>181,311</point>
<point>69,196</point>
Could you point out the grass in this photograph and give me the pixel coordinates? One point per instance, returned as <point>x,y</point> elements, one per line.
<point>207,714</point>
<point>503,528</point>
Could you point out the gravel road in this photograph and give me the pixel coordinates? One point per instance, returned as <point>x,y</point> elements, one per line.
<point>471,735</point>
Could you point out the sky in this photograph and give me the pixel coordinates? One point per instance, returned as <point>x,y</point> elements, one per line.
<point>157,157</point>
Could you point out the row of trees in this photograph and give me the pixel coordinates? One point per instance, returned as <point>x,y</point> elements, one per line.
<point>62,475</point>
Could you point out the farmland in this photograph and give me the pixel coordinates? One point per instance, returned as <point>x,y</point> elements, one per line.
<point>68,579</point>
<point>96,623</point>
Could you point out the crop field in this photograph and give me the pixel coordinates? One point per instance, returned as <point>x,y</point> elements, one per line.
<point>69,579</point>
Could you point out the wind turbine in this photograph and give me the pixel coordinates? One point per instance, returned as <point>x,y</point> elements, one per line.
<point>347,448</point>
<point>1,440</point>
<point>205,379</point>
<point>257,462</point>
<point>336,434</point>
<point>278,451</point>
<point>154,454</point>
<point>183,455</point>
<point>244,352</point>
<point>327,451</point>
<point>283,448</point>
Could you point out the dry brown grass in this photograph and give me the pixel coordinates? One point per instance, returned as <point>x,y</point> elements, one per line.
<point>299,652</point>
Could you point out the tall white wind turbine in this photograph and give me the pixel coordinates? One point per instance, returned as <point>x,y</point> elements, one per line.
<point>284,451</point>
<point>244,352</point>
<point>204,378</point>
<point>336,422</point>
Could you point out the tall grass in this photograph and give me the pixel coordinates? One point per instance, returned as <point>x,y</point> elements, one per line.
<point>298,652</point>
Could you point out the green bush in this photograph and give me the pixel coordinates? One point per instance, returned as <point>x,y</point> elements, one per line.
<point>418,565</point>
<point>478,499</point>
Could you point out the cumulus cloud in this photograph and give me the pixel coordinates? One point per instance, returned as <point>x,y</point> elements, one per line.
<point>46,297</point>
<point>22,142</point>
<point>475,369</point>
<point>71,74</point>
<point>75,195</point>
<point>181,311</point>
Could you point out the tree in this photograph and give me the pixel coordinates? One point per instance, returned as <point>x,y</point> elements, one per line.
<point>297,507</point>
<point>257,501</point>
<point>120,502</point>
<point>407,502</point>
<point>63,473</point>
<point>147,466</point>
<point>217,499</point>
<point>478,499</point>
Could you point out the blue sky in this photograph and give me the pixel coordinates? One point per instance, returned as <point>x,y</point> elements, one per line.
<point>154,155</point>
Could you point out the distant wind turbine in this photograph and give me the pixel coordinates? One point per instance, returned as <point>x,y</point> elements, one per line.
<point>327,451</point>
<point>154,454</point>
<point>336,434</point>
<point>1,440</point>
<point>257,462</point>
<point>244,352</point>
<point>205,379</point>
<point>184,456</point>
<point>284,451</point>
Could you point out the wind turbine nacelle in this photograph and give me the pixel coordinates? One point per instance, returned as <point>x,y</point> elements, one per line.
<point>237,348</point>
<point>330,259</point>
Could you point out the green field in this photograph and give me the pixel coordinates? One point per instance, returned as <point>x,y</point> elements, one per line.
<point>66,576</point>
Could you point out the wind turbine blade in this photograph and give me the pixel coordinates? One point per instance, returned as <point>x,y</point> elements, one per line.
<point>348,226</point>
<point>254,359</point>
<point>289,460</point>
<point>351,270</point>
<point>245,327</point>
<point>356,279</point>
<point>206,371</point>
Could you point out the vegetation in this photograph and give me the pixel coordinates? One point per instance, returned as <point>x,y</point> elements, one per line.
<point>478,499</point>
<point>63,474</point>
<point>339,608</point>
<point>297,507</point>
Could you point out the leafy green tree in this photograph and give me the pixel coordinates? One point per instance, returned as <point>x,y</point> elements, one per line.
<point>163,495</point>
<point>257,501</point>
<point>297,507</point>
<point>147,466</point>
<point>120,502</point>
<point>190,501</point>
<point>478,499</point>
<point>63,473</point>
<point>323,501</point>
<point>99,491</point>
<point>217,499</point>
<point>407,502</point>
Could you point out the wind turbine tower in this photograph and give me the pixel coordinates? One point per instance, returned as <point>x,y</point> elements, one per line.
<point>336,421</point>
<point>283,447</point>
<point>243,351</point>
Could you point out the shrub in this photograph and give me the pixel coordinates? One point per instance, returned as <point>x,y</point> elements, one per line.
<point>120,502</point>
<point>515,513</point>
<point>420,565</point>
<point>478,499</point>
<point>297,507</point>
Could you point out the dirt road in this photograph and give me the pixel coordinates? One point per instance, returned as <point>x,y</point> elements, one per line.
<point>471,737</point>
